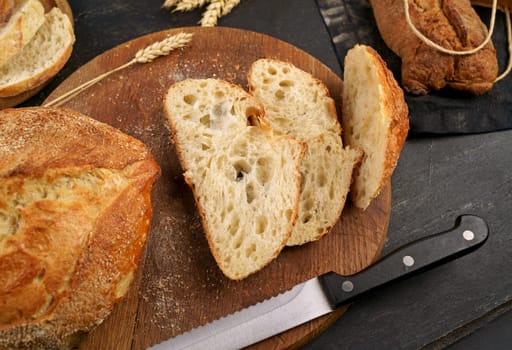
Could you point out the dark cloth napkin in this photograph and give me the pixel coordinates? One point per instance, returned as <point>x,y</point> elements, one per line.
<point>351,22</point>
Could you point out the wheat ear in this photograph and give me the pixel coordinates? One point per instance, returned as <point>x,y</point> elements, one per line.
<point>170,3</point>
<point>214,10</point>
<point>145,55</point>
<point>212,13</point>
<point>228,6</point>
<point>189,5</point>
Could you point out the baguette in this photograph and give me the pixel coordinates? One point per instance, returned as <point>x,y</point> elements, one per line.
<point>19,22</point>
<point>453,24</point>
<point>299,105</point>
<point>75,212</point>
<point>41,58</point>
<point>244,179</point>
<point>374,118</point>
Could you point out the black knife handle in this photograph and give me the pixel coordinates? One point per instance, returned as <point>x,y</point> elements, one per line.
<point>469,233</point>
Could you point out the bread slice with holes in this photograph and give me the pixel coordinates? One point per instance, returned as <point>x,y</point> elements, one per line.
<point>245,179</point>
<point>19,22</point>
<point>299,105</point>
<point>41,58</point>
<point>374,118</point>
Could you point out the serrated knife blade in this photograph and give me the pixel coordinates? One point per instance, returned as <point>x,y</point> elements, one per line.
<point>322,295</point>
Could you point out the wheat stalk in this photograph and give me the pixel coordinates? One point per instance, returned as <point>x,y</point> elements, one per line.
<point>228,6</point>
<point>145,55</point>
<point>214,10</point>
<point>212,13</point>
<point>189,5</point>
<point>162,48</point>
<point>170,3</point>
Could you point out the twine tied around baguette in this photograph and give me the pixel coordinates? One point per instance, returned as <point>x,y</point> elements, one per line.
<point>145,55</point>
<point>492,22</point>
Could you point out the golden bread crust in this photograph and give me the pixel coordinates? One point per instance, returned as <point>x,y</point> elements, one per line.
<point>74,216</point>
<point>394,102</point>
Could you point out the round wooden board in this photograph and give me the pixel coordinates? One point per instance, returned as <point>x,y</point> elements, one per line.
<point>6,102</point>
<point>178,285</point>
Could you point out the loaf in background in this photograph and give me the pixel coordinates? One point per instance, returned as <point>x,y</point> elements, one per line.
<point>453,24</point>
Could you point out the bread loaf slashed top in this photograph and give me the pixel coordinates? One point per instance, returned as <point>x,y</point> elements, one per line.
<point>75,211</point>
<point>299,105</point>
<point>245,180</point>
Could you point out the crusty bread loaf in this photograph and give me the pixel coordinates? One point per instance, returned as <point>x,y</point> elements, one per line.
<point>19,22</point>
<point>453,24</point>
<point>374,118</point>
<point>299,105</point>
<point>245,180</point>
<point>41,58</point>
<point>75,211</point>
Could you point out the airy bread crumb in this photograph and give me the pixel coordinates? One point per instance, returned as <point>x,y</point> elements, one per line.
<point>299,105</point>
<point>245,179</point>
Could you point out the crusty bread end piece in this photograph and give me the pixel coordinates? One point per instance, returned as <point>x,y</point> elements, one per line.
<point>23,21</point>
<point>245,180</point>
<point>374,118</point>
<point>299,105</point>
<point>41,58</point>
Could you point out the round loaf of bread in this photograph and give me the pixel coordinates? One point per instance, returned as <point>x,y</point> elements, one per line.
<point>75,211</point>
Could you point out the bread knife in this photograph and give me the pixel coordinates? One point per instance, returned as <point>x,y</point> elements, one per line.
<point>323,294</point>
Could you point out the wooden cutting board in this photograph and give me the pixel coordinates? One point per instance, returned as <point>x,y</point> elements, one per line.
<point>178,285</point>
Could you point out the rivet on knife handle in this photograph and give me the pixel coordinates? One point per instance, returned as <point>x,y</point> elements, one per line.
<point>469,232</point>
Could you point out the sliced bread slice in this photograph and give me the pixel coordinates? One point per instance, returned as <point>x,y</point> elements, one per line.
<point>326,175</point>
<point>201,111</point>
<point>299,105</point>
<point>295,102</point>
<point>245,180</point>
<point>41,58</point>
<point>19,22</point>
<point>374,118</point>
